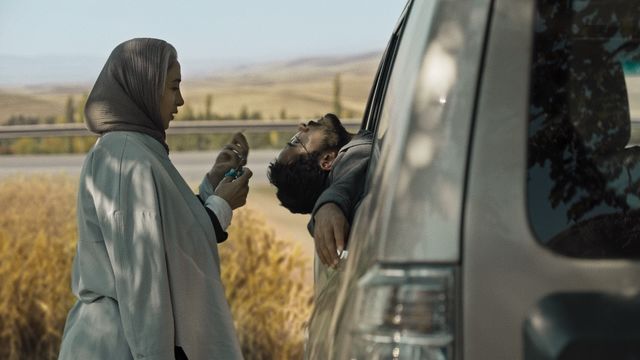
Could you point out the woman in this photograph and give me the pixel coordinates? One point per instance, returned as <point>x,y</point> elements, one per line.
<point>146,273</point>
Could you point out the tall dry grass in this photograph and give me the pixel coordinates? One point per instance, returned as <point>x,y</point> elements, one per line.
<point>264,276</point>
<point>267,287</point>
<point>37,237</point>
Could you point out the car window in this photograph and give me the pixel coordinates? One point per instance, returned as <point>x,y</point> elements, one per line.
<point>583,159</point>
<point>381,123</point>
<point>373,121</point>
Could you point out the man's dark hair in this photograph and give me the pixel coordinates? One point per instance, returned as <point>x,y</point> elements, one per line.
<point>299,182</point>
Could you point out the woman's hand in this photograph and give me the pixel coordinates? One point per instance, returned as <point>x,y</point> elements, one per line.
<point>232,156</point>
<point>234,191</point>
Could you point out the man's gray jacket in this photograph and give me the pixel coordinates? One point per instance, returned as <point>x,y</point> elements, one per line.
<point>346,180</point>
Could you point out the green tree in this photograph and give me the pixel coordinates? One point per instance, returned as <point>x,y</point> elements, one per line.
<point>244,113</point>
<point>256,115</point>
<point>80,108</point>
<point>186,113</point>
<point>337,104</point>
<point>69,111</point>
<point>208,103</point>
<point>23,120</point>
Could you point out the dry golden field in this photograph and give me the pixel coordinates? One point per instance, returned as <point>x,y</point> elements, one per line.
<point>37,236</point>
<point>303,88</point>
<point>22,101</point>
<point>266,278</point>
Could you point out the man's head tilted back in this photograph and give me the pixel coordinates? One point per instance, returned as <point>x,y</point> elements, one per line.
<point>300,171</point>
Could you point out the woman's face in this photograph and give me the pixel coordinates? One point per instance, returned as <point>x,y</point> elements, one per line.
<point>171,97</point>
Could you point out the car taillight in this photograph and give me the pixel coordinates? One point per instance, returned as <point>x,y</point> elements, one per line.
<point>405,312</point>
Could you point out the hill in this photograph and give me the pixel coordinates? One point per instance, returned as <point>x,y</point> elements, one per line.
<point>300,88</point>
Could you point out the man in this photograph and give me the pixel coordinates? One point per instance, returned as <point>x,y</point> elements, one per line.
<point>321,171</point>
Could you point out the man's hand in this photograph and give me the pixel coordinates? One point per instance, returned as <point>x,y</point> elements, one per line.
<point>232,156</point>
<point>234,191</point>
<point>330,233</point>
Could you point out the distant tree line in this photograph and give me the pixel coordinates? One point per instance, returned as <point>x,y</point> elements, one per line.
<point>177,142</point>
<point>48,145</point>
<point>31,120</point>
<point>73,113</point>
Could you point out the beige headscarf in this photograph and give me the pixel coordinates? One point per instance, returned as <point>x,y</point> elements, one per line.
<point>126,95</point>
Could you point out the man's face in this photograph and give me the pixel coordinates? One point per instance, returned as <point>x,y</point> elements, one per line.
<point>312,137</point>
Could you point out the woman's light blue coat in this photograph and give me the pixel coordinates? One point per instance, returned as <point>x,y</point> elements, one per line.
<point>146,273</point>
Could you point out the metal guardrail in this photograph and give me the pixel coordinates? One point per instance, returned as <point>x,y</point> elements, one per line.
<point>177,127</point>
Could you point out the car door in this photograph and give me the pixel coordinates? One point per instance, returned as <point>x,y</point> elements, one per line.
<point>550,252</point>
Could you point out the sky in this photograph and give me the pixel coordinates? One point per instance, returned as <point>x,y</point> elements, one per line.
<point>219,31</point>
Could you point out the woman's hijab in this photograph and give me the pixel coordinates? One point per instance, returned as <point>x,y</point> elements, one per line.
<point>126,95</point>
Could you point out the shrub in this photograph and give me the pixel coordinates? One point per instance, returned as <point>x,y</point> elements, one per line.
<point>267,287</point>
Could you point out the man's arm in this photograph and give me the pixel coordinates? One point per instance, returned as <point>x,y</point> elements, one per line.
<point>331,232</point>
<point>334,209</point>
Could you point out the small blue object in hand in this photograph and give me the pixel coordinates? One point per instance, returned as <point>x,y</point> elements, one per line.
<point>234,173</point>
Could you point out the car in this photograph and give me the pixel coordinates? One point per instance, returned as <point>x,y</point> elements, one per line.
<point>501,215</point>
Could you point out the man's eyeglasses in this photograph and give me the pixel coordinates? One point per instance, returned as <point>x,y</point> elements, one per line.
<point>295,141</point>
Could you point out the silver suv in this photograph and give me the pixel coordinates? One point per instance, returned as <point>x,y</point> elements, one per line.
<point>502,215</point>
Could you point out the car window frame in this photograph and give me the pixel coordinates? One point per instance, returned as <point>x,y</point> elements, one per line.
<point>376,97</point>
<point>375,103</point>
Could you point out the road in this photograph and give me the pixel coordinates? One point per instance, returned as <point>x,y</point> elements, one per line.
<point>192,166</point>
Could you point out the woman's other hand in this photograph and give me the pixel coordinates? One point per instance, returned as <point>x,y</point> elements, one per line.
<point>232,156</point>
<point>234,191</point>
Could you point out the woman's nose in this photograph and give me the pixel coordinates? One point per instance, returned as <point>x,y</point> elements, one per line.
<point>180,99</point>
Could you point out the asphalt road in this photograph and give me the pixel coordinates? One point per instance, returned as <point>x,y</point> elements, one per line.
<point>192,165</point>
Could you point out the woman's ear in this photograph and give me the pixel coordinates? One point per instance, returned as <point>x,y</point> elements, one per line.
<point>327,158</point>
